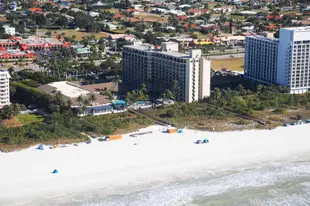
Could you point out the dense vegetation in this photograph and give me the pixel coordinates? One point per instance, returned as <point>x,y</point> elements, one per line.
<point>29,95</point>
<point>66,126</point>
<point>246,101</point>
<point>224,104</point>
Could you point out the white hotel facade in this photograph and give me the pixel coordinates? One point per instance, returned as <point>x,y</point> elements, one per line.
<point>159,69</point>
<point>284,61</point>
<point>4,88</point>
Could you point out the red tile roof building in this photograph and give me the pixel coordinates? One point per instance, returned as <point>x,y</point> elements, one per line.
<point>182,17</point>
<point>34,43</point>
<point>273,17</point>
<point>197,11</point>
<point>118,17</point>
<point>15,54</point>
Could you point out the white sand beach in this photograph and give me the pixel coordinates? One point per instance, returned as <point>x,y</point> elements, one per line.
<point>148,159</point>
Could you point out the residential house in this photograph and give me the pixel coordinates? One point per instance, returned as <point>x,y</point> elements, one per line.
<point>197,12</point>
<point>210,27</point>
<point>133,11</point>
<point>9,29</point>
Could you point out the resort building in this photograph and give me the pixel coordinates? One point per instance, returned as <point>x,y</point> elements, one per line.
<point>284,61</point>
<point>4,88</point>
<point>101,104</point>
<point>187,75</point>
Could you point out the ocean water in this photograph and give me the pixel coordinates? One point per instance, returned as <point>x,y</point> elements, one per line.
<point>273,184</point>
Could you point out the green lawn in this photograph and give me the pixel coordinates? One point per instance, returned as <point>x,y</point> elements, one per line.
<point>235,64</point>
<point>202,35</point>
<point>69,32</point>
<point>29,118</point>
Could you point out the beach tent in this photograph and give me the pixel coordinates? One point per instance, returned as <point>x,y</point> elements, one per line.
<point>55,171</point>
<point>41,147</point>
<point>205,141</point>
<point>198,142</point>
<point>180,131</point>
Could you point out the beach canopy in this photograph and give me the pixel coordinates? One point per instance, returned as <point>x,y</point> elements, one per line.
<point>55,171</point>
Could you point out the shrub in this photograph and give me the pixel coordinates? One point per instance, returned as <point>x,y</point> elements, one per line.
<point>171,113</point>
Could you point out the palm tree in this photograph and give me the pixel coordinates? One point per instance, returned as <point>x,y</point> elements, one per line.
<point>75,67</point>
<point>86,103</point>
<point>92,98</point>
<point>69,103</point>
<point>143,88</point>
<point>58,97</point>
<point>80,99</point>
<point>175,88</point>
<point>169,94</point>
<point>73,37</point>
<point>11,71</point>
<point>41,64</point>
<point>116,81</point>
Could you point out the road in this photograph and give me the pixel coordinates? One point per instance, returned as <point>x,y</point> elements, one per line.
<point>225,56</point>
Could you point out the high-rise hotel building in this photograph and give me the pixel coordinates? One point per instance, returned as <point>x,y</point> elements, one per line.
<point>260,60</point>
<point>165,68</point>
<point>284,61</point>
<point>4,88</point>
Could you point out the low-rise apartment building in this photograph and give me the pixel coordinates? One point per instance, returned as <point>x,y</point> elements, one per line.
<point>187,75</point>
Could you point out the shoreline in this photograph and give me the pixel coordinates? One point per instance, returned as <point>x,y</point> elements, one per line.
<point>156,159</point>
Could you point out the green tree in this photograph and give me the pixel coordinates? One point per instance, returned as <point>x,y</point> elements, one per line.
<point>48,33</point>
<point>6,112</point>
<point>62,21</point>
<point>15,109</point>
<point>40,19</point>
